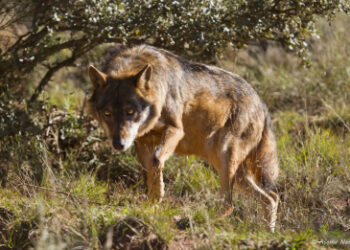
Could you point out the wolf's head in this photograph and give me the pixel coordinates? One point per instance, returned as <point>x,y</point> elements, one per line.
<point>124,106</point>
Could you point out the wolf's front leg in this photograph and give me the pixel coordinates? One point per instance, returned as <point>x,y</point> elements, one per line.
<point>170,139</point>
<point>152,176</point>
<point>155,184</point>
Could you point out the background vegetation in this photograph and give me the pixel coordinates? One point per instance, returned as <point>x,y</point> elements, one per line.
<point>62,187</point>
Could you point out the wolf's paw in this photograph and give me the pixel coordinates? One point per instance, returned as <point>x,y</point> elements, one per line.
<point>155,197</point>
<point>226,211</point>
<point>157,162</point>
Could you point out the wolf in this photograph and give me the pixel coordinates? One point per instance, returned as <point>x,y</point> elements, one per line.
<point>164,104</point>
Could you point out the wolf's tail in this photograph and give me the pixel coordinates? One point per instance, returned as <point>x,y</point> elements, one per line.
<point>266,156</point>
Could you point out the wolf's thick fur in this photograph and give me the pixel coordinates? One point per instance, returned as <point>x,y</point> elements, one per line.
<point>167,104</point>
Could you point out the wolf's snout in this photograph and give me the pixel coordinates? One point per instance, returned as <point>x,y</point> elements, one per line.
<point>118,144</point>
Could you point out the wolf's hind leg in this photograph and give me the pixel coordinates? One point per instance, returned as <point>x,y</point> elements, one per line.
<point>152,175</point>
<point>267,198</point>
<point>228,166</point>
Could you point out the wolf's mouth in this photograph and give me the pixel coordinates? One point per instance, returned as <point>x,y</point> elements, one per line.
<point>118,145</point>
<point>122,144</point>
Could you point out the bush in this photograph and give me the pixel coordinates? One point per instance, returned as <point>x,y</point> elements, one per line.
<point>55,33</point>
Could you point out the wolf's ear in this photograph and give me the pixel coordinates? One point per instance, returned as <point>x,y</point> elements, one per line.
<point>97,77</point>
<point>143,78</point>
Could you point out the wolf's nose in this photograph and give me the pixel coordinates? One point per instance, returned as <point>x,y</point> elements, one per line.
<point>117,144</point>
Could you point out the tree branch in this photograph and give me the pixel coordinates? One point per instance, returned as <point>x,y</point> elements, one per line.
<point>68,62</point>
<point>45,80</point>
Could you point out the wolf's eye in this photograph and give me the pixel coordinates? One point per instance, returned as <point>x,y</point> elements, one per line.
<point>107,113</point>
<point>130,111</point>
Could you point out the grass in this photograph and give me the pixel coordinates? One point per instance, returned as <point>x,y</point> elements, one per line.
<point>65,189</point>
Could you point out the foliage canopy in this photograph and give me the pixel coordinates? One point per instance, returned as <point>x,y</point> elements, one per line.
<point>58,32</point>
